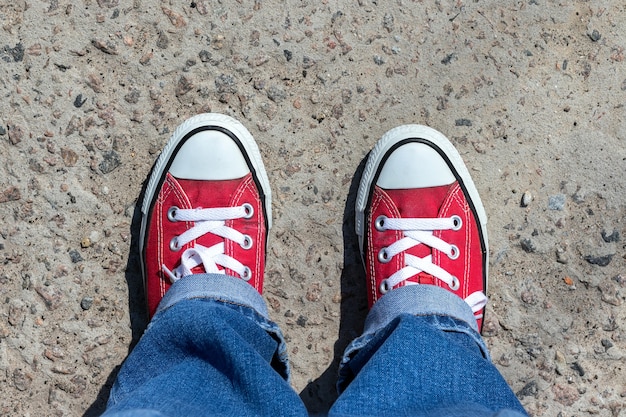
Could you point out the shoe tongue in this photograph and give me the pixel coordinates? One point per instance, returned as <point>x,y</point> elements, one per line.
<point>417,203</point>
<point>220,195</point>
<point>420,203</point>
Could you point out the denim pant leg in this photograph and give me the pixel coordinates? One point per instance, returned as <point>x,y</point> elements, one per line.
<point>209,350</point>
<point>421,355</point>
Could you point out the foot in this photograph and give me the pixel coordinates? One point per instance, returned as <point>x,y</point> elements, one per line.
<point>420,220</point>
<point>207,207</point>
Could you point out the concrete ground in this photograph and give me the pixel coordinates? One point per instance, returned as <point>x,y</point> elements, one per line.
<point>531,92</point>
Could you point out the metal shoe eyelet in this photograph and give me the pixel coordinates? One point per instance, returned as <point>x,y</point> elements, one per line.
<point>174,246</point>
<point>383,256</point>
<point>247,274</point>
<point>456,284</point>
<point>454,252</point>
<point>249,210</point>
<point>458,222</point>
<point>384,287</point>
<point>247,242</point>
<point>379,224</point>
<point>171,214</point>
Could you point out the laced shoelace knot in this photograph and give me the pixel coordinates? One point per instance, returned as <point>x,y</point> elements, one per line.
<point>418,231</point>
<point>209,220</point>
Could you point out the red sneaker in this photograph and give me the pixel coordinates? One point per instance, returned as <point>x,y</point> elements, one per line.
<point>207,207</point>
<point>420,220</point>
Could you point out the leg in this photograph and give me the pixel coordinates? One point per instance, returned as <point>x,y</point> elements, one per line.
<point>422,232</point>
<point>423,362</point>
<point>210,348</point>
<point>205,356</point>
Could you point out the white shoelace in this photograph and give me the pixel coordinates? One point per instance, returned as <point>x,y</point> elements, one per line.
<point>416,232</point>
<point>210,220</point>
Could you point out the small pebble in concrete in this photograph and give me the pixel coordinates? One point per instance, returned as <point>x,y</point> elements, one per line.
<point>608,238</point>
<point>79,101</point>
<point>606,343</point>
<point>595,36</point>
<point>528,245</point>
<point>110,161</point>
<point>527,197</point>
<point>75,256</point>
<point>599,260</point>
<point>529,390</point>
<point>556,202</point>
<point>463,122</point>
<point>86,303</point>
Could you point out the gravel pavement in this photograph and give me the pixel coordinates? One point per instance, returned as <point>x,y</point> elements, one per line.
<point>532,93</point>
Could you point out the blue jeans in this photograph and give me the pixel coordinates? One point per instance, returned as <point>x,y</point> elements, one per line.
<point>211,349</point>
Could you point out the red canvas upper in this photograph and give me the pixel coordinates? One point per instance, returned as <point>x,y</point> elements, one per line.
<point>193,194</point>
<point>434,202</point>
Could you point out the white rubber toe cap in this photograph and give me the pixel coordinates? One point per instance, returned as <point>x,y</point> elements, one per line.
<point>209,155</point>
<point>414,165</point>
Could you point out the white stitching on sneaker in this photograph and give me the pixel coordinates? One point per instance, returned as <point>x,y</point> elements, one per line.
<point>420,231</point>
<point>210,220</point>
